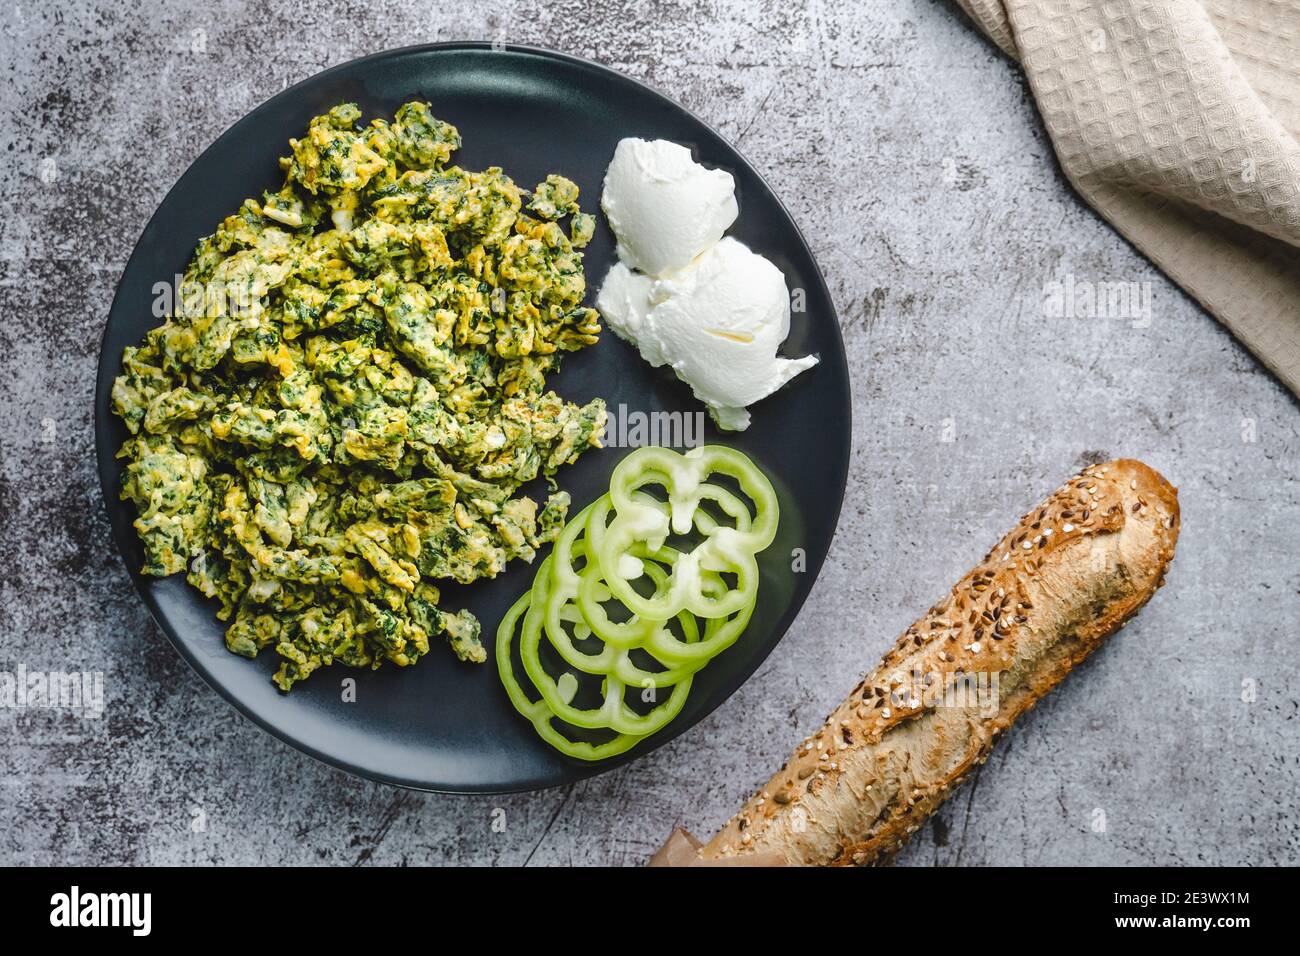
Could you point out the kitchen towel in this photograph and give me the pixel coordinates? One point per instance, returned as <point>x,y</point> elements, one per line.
<point>1178,122</point>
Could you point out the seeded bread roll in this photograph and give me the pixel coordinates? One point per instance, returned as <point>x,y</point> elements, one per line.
<point>1069,575</point>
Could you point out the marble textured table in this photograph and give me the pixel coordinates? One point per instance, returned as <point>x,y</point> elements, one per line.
<point>910,154</point>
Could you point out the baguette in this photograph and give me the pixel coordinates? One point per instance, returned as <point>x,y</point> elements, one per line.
<point>1071,573</point>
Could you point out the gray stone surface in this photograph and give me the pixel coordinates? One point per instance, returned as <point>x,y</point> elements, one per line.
<point>910,154</point>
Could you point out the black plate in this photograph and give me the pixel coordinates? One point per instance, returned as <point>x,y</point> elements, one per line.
<point>443,725</point>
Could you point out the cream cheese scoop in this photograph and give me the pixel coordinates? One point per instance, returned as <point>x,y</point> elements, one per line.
<point>706,305</point>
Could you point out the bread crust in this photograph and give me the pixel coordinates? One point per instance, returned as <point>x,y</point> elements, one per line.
<point>1070,574</point>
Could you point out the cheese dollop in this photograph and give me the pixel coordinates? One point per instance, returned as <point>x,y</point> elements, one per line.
<point>665,208</point>
<point>687,297</point>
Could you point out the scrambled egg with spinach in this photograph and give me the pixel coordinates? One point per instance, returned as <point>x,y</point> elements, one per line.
<point>351,389</point>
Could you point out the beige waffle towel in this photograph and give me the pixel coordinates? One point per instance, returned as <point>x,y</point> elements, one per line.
<point>1178,121</point>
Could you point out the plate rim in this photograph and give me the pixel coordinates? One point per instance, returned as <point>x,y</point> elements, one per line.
<point>583,770</point>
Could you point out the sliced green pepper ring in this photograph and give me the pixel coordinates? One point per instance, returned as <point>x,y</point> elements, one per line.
<point>613,713</point>
<point>555,596</point>
<point>559,607</point>
<point>661,643</point>
<point>639,517</point>
<point>597,516</point>
<point>593,590</point>
<point>551,609</point>
<point>536,711</point>
<point>719,634</point>
<point>685,590</point>
<point>682,475</point>
<point>596,560</point>
<point>626,669</point>
<point>563,555</point>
